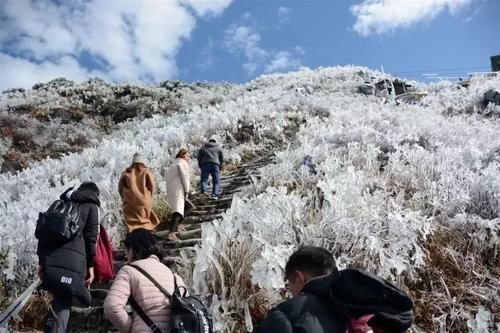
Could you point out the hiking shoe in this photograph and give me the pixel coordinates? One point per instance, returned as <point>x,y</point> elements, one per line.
<point>215,197</point>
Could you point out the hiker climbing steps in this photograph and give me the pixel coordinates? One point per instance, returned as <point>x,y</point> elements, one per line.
<point>207,210</point>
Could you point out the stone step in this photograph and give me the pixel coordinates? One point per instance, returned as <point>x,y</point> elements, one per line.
<point>171,260</point>
<point>200,219</point>
<point>234,179</point>
<point>88,320</point>
<point>189,251</point>
<point>181,243</point>
<point>234,184</point>
<point>193,226</point>
<point>98,295</point>
<point>183,235</point>
<point>119,254</point>
<point>208,212</point>
<point>191,234</point>
<point>209,203</point>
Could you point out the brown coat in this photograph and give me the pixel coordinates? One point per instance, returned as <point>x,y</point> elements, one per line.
<point>136,187</point>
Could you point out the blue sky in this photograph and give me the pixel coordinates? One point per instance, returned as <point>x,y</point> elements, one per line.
<point>238,40</point>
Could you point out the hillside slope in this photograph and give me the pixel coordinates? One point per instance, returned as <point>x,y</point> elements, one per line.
<point>408,191</point>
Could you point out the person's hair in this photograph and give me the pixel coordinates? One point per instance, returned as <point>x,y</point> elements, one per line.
<point>212,140</point>
<point>89,186</point>
<point>313,260</point>
<point>182,152</point>
<point>143,244</point>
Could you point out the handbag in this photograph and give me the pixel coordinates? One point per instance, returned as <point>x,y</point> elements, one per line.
<point>104,267</point>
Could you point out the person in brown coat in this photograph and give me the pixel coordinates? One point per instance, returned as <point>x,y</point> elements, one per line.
<point>136,188</point>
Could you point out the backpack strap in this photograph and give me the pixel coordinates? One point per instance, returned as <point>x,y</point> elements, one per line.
<point>139,310</point>
<point>146,274</point>
<point>144,316</point>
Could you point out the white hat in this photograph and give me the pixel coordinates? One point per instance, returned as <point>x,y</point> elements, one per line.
<point>214,137</point>
<point>138,158</point>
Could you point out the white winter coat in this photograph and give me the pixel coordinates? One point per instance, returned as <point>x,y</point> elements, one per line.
<point>178,179</point>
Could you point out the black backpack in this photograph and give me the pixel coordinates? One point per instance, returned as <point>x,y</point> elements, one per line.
<point>355,293</point>
<point>188,314</point>
<point>59,224</point>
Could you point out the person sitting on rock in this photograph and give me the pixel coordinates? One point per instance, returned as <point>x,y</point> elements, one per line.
<point>136,188</point>
<point>143,251</point>
<point>210,159</point>
<point>178,184</point>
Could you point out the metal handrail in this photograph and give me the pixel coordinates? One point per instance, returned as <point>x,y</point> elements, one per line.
<point>14,309</point>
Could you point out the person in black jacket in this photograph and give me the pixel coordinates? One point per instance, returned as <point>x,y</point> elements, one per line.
<point>67,270</point>
<point>306,312</point>
<point>210,159</point>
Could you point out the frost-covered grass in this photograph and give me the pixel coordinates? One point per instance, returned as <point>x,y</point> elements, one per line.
<point>388,179</point>
<point>26,193</point>
<point>400,191</point>
<point>63,116</point>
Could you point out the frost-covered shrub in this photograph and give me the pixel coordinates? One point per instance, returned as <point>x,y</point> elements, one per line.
<point>159,138</point>
<point>62,116</point>
<point>386,179</point>
<point>407,191</point>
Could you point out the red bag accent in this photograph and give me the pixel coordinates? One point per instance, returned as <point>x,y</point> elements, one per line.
<point>360,325</point>
<point>104,269</point>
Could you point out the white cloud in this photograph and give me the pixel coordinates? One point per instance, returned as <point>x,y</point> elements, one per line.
<point>380,16</point>
<point>133,39</point>
<point>284,14</point>
<point>247,16</point>
<point>19,72</point>
<point>206,58</point>
<point>207,7</point>
<point>246,40</point>
<point>282,61</point>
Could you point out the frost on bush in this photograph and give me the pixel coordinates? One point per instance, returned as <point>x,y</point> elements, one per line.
<point>26,193</point>
<point>407,191</point>
<point>62,116</point>
<point>386,179</point>
<point>238,249</point>
<point>483,322</point>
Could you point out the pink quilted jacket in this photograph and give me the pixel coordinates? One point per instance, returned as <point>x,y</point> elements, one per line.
<point>155,304</point>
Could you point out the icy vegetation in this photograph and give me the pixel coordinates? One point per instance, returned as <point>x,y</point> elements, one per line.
<point>61,116</point>
<point>408,191</point>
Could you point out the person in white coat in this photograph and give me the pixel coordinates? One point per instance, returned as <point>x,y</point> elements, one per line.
<point>178,181</point>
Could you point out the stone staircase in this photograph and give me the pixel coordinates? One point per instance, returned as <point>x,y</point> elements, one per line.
<point>207,210</point>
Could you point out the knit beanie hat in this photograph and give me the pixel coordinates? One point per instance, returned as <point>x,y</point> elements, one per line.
<point>138,158</point>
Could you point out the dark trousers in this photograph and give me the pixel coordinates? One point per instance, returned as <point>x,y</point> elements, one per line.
<point>210,169</point>
<point>58,319</point>
<point>175,220</point>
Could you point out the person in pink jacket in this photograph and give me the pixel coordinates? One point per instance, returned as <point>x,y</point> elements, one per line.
<point>142,250</point>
